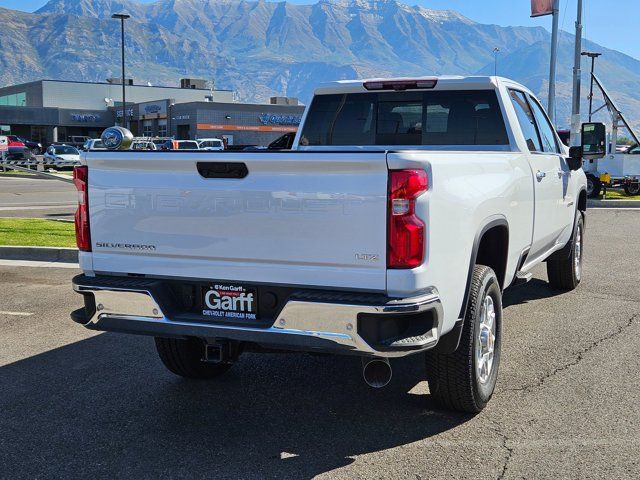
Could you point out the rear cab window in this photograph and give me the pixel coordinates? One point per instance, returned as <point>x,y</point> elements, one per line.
<point>446,118</point>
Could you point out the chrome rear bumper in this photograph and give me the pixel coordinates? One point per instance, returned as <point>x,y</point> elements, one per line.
<point>308,325</point>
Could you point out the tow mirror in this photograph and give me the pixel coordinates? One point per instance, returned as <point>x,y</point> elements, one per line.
<point>594,140</point>
<point>575,158</point>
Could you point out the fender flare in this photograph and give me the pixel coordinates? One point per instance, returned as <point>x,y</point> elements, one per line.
<point>449,342</point>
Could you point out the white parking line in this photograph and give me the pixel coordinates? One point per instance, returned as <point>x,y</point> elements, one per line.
<point>40,207</point>
<point>33,263</point>
<point>613,208</point>
<point>16,314</point>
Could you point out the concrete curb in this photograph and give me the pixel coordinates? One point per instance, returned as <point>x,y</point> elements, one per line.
<point>594,203</point>
<point>41,254</point>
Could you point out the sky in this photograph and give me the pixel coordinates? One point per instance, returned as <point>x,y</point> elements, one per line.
<point>610,23</point>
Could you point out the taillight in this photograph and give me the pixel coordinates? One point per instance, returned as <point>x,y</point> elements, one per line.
<point>405,247</point>
<point>83,236</point>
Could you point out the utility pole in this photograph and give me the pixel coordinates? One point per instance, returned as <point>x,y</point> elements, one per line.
<point>122,17</point>
<point>551,105</point>
<point>592,56</point>
<point>575,110</point>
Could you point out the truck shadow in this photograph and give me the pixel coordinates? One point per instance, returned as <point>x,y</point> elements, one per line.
<point>105,406</point>
<point>535,289</point>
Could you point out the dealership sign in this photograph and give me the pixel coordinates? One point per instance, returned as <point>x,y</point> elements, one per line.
<point>274,119</point>
<point>153,108</point>
<point>85,117</point>
<point>119,112</point>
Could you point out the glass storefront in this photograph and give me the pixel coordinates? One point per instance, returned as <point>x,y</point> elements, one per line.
<point>14,100</point>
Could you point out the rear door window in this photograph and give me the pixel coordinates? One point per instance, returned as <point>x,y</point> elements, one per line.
<point>547,136</point>
<point>447,118</point>
<point>526,120</point>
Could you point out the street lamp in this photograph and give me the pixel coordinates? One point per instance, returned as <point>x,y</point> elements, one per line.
<point>496,50</point>
<point>122,17</point>
<point>592,56</point>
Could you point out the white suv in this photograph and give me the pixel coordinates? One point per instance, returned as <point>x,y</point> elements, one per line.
<point>213,144</point>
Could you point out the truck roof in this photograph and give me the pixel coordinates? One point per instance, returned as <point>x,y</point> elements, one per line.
<point>444,82</point>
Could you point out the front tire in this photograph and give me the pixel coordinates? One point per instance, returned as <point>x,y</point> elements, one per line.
<point>184,358</point>
<point>465,379</point>
<point>564,268</point>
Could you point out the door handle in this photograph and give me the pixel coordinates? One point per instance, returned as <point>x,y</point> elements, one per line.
<point>222,169</point>
<point>540,175</point>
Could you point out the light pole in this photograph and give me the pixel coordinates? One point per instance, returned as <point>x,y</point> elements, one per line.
<point>496,50</point>
<point>122,17</point>
<point>592,56</point>
<point>575,108</point>
<point>171,102</point>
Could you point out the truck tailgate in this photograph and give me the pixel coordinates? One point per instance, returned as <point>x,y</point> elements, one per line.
<point>296,218</point>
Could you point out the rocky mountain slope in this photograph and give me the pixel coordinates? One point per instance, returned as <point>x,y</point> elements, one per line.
<point>263,48</point>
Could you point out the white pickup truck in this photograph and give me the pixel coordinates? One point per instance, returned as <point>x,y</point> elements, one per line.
<point>403,210</point>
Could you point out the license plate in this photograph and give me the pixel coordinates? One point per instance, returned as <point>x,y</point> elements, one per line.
<point>230,301</point>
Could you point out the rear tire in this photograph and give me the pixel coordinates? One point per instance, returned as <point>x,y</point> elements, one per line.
<point>632,189</point>
<point>184,358</point>
<point>465,379</point>
<point>564,268</point>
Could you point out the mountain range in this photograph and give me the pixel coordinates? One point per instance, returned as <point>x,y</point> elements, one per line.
<point>260,48</point>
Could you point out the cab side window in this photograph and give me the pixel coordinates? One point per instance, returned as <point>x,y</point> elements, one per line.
<point>526,120</point>
<point>547,136</point>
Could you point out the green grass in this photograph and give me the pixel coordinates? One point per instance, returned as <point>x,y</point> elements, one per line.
<point>13,172</point>
<point>34,232</point>
<point>619,195</point>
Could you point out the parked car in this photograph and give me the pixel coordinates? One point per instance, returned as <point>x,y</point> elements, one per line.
<point>158,142</point>
<point>633,150</point>
<point>76,141</point>
<point>20,156</point>
<point>212,144</point>
<point>14,141</point>
<point>93,144</point>
<point>61,156</point>
<point>143,145</point>
<point>284,142</point>
<point>403,211</point>
<point>35,147</point>
<point>180,145</point>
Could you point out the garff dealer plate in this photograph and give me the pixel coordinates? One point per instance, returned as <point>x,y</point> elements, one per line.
<point>230,302</point>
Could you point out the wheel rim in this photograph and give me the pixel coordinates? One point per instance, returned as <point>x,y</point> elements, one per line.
<point>577,253</point>
<point>633,189</point>
<point>485,343</point>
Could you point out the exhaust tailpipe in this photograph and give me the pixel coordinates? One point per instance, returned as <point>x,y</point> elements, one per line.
<point>376,372</point>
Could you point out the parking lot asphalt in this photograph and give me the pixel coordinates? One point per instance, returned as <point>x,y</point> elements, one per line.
<point>75,403</point>
<point>27,196</point>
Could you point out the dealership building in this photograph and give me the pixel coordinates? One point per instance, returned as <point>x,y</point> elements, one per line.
<point>50,111</point>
